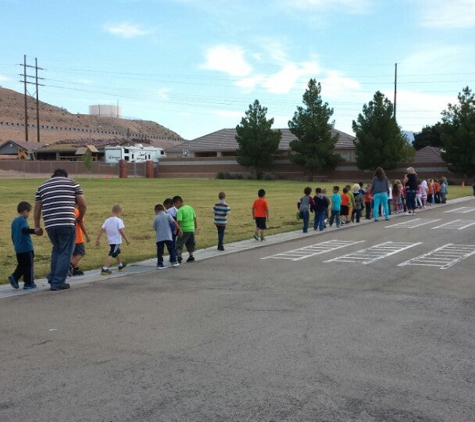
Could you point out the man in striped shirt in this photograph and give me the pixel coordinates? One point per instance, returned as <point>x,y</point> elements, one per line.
<point>221,210</point>
<point>56,199</point>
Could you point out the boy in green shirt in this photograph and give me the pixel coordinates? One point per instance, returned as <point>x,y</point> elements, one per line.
<point>186,218</point>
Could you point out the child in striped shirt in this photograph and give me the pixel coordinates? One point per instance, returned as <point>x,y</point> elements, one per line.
<point>221,210</point>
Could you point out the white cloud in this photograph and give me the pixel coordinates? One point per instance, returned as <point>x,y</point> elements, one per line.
<point>125,30</point>
<point>448,14</point>
<point>4,78</point>
<point>336,85</point>
<point>161,94</point>
<point>227,59</point>
<point>285,80</point>
<point>345,6</point>
<point>228,113</point>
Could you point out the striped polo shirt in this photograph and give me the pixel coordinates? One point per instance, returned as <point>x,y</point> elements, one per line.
<point>58,198</point>
<point>221,211</point>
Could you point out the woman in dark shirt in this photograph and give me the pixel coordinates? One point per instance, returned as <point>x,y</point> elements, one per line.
<point>380,189</point>
<point>410,183</point>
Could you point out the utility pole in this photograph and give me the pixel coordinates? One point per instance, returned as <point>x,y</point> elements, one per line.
<point>26,82</point>
<point>395,88</point>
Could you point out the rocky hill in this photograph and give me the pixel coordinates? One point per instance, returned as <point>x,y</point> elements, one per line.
<point>58,124</point>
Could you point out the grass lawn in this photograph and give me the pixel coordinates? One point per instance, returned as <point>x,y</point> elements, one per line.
<point>138,197</point>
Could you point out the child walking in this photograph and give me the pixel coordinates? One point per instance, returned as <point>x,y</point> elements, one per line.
<point>79,249</point>
<point>114,229</point>
<point>221,210</point>
<point>260,214</point>
<point>345,205</point>
<point>186,219</point>
<point>336,206</point>
<point>163,237</point>
<point>304,205</point>
<point>320,207</point>
<point>23,248</point>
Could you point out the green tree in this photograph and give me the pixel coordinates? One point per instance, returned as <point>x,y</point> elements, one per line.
<point>428,137</point>
<point>87,160</point>
<point>315,143</point>
<point>379,141</point>
<point>458,134</point>
<point>257,141</point>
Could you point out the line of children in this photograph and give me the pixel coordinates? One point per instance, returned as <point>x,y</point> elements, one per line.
<point>162,224</point>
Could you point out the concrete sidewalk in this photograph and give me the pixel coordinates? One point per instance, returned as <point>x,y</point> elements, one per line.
<point>149,265</point>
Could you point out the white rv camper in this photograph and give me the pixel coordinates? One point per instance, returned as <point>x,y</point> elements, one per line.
<point>133,154</point>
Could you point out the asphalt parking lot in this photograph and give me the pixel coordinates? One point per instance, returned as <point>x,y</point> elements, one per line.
<point>370,322</point>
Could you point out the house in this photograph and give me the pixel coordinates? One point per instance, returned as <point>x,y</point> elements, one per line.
<point>222,143</point>
<point>19,149</point>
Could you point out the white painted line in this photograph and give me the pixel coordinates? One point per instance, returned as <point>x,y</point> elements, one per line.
<point>444,257</point>
<point>413,223</point>
<point>312,250</point>
<point>462,210</point>
<point>375,253</point>
<point>455,225</point>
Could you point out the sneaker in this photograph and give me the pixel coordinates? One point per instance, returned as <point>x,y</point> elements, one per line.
<point>64,286</point>
<point>191,259</point>
<point>256,236</point>
<point>408,213</point>
<point>175,264</point>
<point>179,258</point>
<point>263,239</point>
<point>220,248</point>
<point>106,271</point>
<point>162,267</point>
<point>13,282</point>
<point>30,286</point>
<point>122,266</point>
<point>77,271</point>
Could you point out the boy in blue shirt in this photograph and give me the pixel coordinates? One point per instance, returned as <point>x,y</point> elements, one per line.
<point>336,206</point>
<point>23,248</point>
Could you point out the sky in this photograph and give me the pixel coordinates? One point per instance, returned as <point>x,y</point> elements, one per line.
<point>195,66</point>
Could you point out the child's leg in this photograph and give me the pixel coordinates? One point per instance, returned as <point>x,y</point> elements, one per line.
<point>337,217</point>
<point>171,251</point>
<point>160,247</point>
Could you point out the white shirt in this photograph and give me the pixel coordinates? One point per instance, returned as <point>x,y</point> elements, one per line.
<point>112,226</point>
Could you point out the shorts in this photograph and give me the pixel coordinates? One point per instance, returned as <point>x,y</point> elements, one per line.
<point>344,210</point>
<point>79,249</point>
<point>261,223</point>
<point>188,240</point>
<point>114,251</point>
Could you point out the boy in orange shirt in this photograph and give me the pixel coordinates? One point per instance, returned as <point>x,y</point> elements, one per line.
<point>260,214</point>
<point>79,250</point>
<point>345,205</point>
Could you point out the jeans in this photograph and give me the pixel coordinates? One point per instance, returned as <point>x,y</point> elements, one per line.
<point>306,218</point>
<point>161,248</point>
<point>335,215</point>
<point>357,213</point>
<point>380,198</point>
<point>411,200</point>
<point>221,230</point>
<point>63,240</point>
<point>319,221</point>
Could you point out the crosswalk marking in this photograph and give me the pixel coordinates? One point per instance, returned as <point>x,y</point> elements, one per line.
<point>456,225</point>
<point>375,253</point>
<point>312,250</point>
<point>462,210</point>
<point>444,257</point>
<point>413,223</point>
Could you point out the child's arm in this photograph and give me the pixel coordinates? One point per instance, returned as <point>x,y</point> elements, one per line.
<point>122,233</point>
<point>196,225</point>
<point>83,229</point>
<point>178,230</point>
<point>99,236</point>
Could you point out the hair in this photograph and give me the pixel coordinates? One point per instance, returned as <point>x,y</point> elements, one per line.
<point>261,193</point>
<point>345,190</point>
<point>361,184</point>
<point>411,170</point>
<point>117,208</point>
<point>318,190</point>
<point>168,202</point>
<point>348,186</point>
<point>159,207</point>
<point>336,188</point>
<point>177,199</point>
<point>324,190</point>
<point>443,179</point>
<point>60,173</point>
<point>379,173</point>
<point>307,190</point>
<point>221,195</point>
<point>356,187</point>
<point>23,206</point>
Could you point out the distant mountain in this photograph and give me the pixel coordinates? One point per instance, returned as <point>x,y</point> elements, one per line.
<point>58,124</point>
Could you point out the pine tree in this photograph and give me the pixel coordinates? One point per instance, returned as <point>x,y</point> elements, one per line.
<point>458,134</point>
<point>379,141</point>
<point>313,148</point>
<point>258,142</point>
